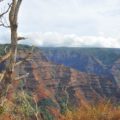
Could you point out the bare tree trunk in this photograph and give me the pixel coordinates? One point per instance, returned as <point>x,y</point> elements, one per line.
<point>9,74</point>
<point>13,16</point>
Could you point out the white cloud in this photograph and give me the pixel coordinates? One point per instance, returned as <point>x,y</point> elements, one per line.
<point>50,39</point>
<point>91,23</point>
<point>54,39</point>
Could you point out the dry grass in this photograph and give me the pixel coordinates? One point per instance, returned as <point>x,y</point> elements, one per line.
<point>102,111</point>
<point>99,112</point>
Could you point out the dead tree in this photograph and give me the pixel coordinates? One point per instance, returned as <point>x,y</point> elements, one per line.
<point>8,76</point>
<point>13,19</point>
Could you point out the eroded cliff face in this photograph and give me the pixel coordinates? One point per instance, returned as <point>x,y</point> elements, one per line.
<point>115,71</point>
<point>102,62</point>
<point>97,61</point>
<point>57,87</point>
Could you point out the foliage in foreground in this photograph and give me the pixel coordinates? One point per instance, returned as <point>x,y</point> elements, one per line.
<point>103,111</point>
<point>26,109</point>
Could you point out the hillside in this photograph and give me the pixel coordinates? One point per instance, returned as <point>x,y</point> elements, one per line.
<point>99,61</point>
<point>54,88</point>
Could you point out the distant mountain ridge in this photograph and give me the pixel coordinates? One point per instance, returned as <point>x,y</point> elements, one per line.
<point>105,55</point>
<point>99,61</point>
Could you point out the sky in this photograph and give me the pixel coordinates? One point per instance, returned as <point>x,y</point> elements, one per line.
<point>68,23</point>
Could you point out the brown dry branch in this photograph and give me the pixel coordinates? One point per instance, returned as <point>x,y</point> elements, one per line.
<point>3,22</point>
<point>9,6</point>
<point>22,76</point>
<point>21,38</point>
<point>5,57</point>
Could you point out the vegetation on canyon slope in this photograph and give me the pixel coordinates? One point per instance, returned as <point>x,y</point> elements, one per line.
<point>28,110</point>
<point>102,111</point>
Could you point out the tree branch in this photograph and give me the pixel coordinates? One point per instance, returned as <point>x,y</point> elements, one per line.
<point>27,58</point>
<point>2,75</point>
<point>5,57</point>
<point>22,76</point>
<point>24,59</point>
<point>3,25</point>
<point>1,15</point>
<point>17,10</point>
<point>12,11</point>
<point>5,49</point>
<point>21,38</point>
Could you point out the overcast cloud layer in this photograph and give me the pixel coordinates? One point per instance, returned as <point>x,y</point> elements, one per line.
<point>72,23</point>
